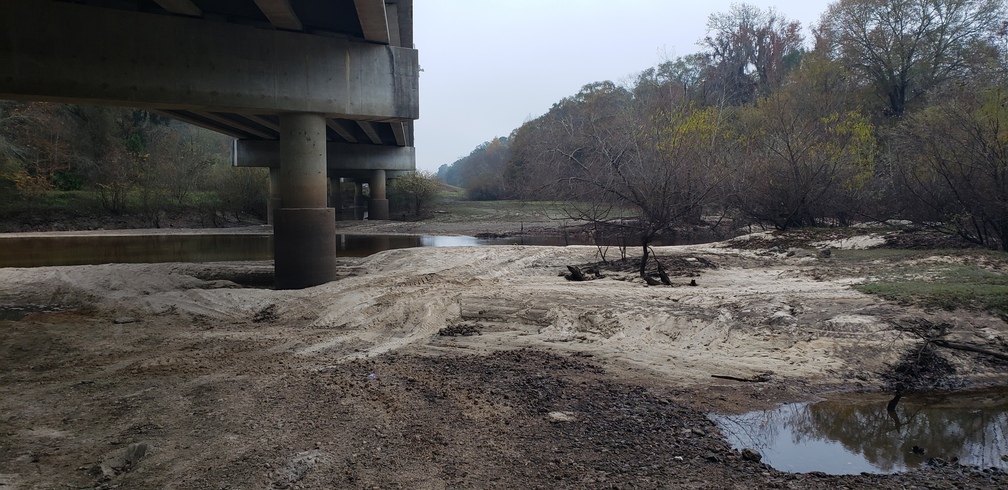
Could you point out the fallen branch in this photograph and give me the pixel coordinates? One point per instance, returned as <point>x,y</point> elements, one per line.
<point>969,348</point>
<point>661,270</point>
<point>756,378</point>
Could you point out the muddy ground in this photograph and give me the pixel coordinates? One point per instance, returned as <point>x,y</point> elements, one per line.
<point>444,368</point>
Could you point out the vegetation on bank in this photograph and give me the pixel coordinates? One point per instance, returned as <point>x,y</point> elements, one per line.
<point>912,267</point>
<point>893,110</point>
<point>939,279</point>
<point>73,166</point>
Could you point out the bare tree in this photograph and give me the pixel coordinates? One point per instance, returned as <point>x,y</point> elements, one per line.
<point>952,160</point>
<point>904,48</point>
<point>609,156</point>
<point>751,50</point>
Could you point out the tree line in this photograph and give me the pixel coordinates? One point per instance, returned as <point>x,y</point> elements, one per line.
<point>126,162</point>
<point>893,110</point>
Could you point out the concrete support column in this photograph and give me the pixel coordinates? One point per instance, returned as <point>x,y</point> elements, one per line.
<point>336,196</point>
<point>378,208</point>
<point>360,203</point>
<point>304,229</point>
<point>273,203</point>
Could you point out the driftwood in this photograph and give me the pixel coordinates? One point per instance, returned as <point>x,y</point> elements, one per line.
<point>969,348</point>
<point>756,378</point>
<point>575,274</point>
<point>664,277</point>
<point>933,334</point>
<point>661,271</point>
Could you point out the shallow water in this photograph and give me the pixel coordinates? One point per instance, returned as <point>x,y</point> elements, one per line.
<point>17,312</point>
<point>851,434</point>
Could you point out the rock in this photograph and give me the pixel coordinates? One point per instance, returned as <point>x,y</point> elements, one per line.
<point>799,253</point>
<point>561,417</point>
<point>123,460</point>
<point>751,455</point>
<point>713,458</point>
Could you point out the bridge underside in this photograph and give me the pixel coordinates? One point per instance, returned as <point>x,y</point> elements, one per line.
<point>307,87</point>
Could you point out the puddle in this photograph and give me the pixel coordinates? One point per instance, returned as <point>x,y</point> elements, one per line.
<point>17,312</point>
<point>855,433</point>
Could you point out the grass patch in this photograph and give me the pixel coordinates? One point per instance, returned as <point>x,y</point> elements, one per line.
<point>944,286</point>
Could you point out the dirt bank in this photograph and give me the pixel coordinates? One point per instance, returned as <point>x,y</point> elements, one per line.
<point>439,368</point>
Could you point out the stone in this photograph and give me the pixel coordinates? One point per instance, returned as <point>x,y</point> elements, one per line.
<point>751,455</point>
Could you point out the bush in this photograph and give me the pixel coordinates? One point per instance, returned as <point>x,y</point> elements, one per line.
<point>413,196</point>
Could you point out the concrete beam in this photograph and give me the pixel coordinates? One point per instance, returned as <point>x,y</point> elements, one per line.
<point>371,132</point>
<point>196,120</point>
<point>65,52</point>
<point>280,14</point>
<point>182,7</point>
<point>341,130</point>
<point>392,14</point>
<point>373,21</point>
<point>339,156</point>
<point>399,130</point>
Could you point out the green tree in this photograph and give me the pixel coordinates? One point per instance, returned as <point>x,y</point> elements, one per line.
<point>809,155</point>
<point>414,195</point>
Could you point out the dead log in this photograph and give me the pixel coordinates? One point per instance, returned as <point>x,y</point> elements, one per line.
<point>575,274</point>
<point>664,277</point>
<point>661,270</point>
<point>969,348</point>
<point>756,378</point>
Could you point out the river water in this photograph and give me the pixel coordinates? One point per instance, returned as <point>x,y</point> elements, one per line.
<point>55,250</point>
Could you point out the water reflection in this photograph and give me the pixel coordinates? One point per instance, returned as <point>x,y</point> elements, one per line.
<point>851,435</point>
<point>99,249</point>
<point>104,249</point>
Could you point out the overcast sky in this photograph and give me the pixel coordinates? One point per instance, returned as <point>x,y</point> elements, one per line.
<point>490,65</point>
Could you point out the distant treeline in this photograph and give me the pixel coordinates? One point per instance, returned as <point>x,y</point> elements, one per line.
<point>895,109</point>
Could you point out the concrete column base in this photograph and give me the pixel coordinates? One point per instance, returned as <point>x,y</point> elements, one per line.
<point>378,209</point>
<point>304,247</point>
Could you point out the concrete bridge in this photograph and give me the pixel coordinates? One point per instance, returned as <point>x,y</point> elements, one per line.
<point>313,89</point>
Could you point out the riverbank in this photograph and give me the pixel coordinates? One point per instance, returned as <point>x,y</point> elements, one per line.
<point>453,367</point>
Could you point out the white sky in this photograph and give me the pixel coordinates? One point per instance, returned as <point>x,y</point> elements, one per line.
<point>490,65</point>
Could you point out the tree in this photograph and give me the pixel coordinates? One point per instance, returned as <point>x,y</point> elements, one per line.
<point>415,194</point>
<point>904,48</point>
<point>241,190</point>
<point>610,157</point>
<point>953,160</point>
<point>809,155</point>
<point>752,50</point>
<point>481,173</point>
<point>183,156</point>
